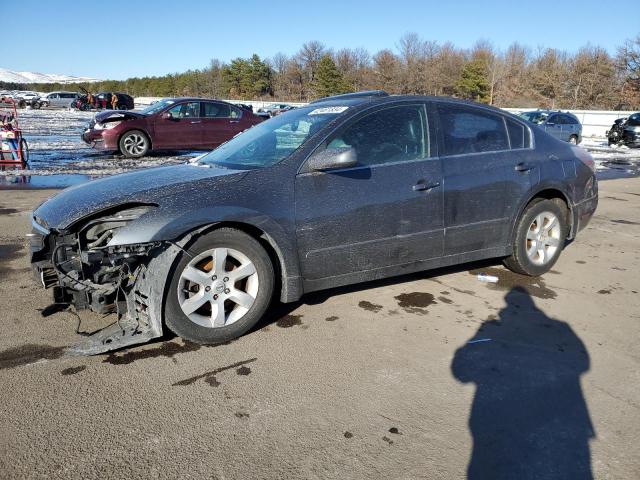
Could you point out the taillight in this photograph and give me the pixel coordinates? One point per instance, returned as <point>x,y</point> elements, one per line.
<point>585,157</point>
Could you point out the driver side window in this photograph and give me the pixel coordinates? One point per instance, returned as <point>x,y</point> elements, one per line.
<point>394,134</point>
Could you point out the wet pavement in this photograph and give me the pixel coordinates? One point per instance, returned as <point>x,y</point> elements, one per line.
<point>59,158</point>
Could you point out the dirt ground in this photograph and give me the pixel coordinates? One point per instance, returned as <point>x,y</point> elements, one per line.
<point>435,375</point>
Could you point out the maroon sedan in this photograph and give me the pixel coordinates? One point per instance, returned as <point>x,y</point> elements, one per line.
<point>170,124</point>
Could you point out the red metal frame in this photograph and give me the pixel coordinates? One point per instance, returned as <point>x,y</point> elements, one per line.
<point>17,132</point>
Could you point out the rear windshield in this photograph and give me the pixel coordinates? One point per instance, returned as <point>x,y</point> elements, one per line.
<point>534,117</point>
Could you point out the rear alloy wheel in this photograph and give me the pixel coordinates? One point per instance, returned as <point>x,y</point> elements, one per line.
<point>134,144</point>
<point>540,237</point>
<point>573,140</point>
<point>221,290</point>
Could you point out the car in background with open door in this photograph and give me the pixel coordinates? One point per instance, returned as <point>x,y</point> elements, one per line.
<point>169,124</point>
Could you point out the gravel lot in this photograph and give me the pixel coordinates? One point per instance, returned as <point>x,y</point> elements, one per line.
<point>423,376</point>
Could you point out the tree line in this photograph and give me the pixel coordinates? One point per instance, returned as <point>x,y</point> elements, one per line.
<point>517,76</point>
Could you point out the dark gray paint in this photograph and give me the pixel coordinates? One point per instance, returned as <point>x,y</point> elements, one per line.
<point>355,224</point>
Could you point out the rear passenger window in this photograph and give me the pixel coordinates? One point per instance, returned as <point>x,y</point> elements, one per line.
<point>470,130</point>
<point>518,134</point>
<point>216,110</point>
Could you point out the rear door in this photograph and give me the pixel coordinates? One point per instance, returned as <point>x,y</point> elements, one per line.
<point>385,211</point>
<point>485,176</point>
<point>182,130</point>
<point>220,122</point>
<point>570,127</point>
<point>553,126</point>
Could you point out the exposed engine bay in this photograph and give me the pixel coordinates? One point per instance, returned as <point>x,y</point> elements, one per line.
<point>84,270</point>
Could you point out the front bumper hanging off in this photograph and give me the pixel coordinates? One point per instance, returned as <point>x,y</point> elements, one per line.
<point>139,299</point>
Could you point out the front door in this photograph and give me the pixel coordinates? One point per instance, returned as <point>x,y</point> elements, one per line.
<point>385,211</point>
<point>181,130</point>
<point>486,174</point>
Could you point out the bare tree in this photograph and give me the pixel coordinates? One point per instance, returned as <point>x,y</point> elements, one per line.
<point>386,71</point>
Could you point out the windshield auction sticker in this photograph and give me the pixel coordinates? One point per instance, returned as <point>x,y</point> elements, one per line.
<point>328,111</point>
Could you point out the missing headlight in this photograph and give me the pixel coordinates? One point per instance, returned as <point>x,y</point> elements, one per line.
<point>97,232</point>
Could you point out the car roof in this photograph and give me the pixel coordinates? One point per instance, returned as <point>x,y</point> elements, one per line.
<point>195,99</point>
<point>367,100</point>
<point>544,110</point>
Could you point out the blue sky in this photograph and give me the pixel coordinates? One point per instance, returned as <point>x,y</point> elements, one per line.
<point>117,39</point>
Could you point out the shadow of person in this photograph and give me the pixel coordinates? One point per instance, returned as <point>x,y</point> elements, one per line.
<point>529,418</point>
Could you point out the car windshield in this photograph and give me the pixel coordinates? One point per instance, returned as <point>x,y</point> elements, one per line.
<point>157,106</point>
<point>634,120</point>
<point>272,141</point>
<point>534,117</point>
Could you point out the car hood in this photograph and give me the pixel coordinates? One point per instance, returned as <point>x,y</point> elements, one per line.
<point>116,115</point>
<point>159,186</point>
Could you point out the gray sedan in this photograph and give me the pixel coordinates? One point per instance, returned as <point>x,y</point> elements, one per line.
<point>348,189</point>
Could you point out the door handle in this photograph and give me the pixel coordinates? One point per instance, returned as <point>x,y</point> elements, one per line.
<point>422,186</point>
<point>196,121</point>
<point>234,121</point>
<point>524,167</point>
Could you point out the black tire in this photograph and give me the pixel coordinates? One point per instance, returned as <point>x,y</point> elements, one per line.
<point>519,261</point>
<point>134,144</point>
<point>180,324</point>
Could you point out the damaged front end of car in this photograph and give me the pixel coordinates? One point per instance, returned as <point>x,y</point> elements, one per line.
<point>85,268</point>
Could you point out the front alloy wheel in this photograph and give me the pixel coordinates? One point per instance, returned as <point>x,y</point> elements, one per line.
<point>221,286</point>
<point>218,287</point>
<point>134,144</point>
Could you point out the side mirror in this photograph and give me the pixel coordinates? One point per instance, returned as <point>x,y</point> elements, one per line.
<point>331,158</point>
<point>167,116</point>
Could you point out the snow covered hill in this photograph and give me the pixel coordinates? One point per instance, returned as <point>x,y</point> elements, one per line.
<point>34,77</point>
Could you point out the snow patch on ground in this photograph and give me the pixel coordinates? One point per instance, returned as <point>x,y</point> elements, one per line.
<point>612,158</point>
<point>56,148</point>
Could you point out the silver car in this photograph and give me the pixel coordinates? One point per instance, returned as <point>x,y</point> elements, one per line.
<point>562,125</point>
<point>58,99</point>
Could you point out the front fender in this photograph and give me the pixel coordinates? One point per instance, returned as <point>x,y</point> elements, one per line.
<point>158,226</point>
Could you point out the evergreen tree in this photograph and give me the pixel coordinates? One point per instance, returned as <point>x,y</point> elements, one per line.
<point>473,83</point>
<point>328,79</point>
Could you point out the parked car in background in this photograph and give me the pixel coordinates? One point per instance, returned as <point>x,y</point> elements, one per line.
<point>28,96</point>
<point>561,125</point>
<point>615,133</point>
<point>102,101</point>
<point>170,124</point>
<point>58,99</point>
<point>631,131</point>
<point>275,108</point>
<point>27,99</point>
<point>349,189</point>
